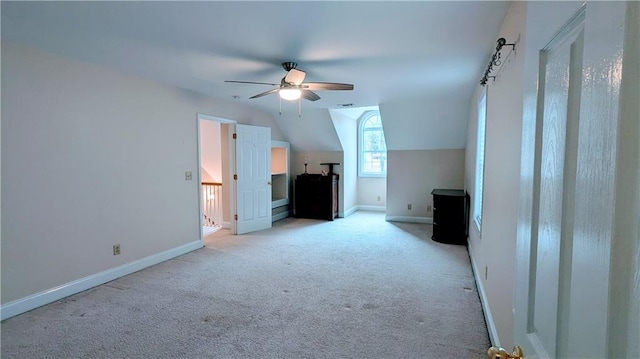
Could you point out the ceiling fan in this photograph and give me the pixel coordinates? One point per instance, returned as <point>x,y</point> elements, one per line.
<point>292,87</point>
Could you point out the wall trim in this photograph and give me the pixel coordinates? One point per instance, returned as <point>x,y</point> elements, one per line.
<point>279,216</point>
<point>488,318</point>
<point>371,208</point>
<point>409,219</point>
<point>34,301</point>
<point>204,116</point>
<point>350,211</point>
<point>357,208</point>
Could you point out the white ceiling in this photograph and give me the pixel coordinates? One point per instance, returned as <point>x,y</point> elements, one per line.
<point>388,50</point>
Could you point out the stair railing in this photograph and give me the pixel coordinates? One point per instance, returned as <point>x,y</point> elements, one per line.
<point>212,204</point>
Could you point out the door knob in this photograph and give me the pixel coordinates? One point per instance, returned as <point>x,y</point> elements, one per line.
<point>500,353</point>
<point>269,183</point>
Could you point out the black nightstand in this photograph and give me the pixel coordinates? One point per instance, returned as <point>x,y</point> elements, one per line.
<point>450,216</point>
<point>316,196</point>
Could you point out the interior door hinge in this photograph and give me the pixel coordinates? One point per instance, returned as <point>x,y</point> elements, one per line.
<point>235,177</point>
<point>235,217</point>
<point>235,136</point>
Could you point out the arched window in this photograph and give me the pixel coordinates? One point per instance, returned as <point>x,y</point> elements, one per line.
<point>372,149</point>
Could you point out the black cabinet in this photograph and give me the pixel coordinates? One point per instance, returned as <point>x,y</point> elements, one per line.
<point>316,196</point>
<point>450,216</point>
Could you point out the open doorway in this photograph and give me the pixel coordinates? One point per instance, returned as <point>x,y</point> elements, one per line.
<point>235,176</point>
<point>215,159</point>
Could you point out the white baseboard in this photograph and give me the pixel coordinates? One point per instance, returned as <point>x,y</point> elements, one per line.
<point>409,219</point>
<point>357,208</point>
<point>279,216</point>
<point>33,301</point>
<point>350,211</point>
<point>491,326</point>
<point>225,225</point>
<point>371,208</point>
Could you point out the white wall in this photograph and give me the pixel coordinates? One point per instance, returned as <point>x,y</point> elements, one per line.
<point>347,130</point>
<point>93,157</point>
<point>315,160</point>
<point>211,150</point>
<point>501,179</point>
<point>372,191</point>
<point>312,131</point>
<point>425,123</point>
<point>412,175</point>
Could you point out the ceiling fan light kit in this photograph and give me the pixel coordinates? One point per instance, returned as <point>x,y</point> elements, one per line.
<point>290,94</point>
<point>292,87</point>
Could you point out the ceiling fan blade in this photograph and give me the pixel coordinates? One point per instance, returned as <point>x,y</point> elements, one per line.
<point>326,86</point>
<point>251,82</point>
<point>295,76</point>
<point>309,95</point>
<point>274,90</point>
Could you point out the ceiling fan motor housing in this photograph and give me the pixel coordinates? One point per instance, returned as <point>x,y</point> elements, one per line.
<point>289,65</point>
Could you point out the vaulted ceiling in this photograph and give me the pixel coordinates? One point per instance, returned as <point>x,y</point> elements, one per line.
<point>391,51</point>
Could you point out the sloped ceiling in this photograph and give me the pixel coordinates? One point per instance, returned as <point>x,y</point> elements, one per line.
<point>389,50</point>
<point>312,132</point>
<point>438,121</point>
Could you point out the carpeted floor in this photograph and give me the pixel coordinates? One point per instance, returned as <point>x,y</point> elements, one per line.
<point>357,287</point>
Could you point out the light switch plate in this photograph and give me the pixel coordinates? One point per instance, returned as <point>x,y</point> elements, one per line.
<point>188,176</point>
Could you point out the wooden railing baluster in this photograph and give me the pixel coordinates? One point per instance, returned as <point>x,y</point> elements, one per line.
<point>212,204</point>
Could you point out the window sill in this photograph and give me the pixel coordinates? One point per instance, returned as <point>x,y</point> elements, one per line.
<point>478,223</point>
<point>372,175</point>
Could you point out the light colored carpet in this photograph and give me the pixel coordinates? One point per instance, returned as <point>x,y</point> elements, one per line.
<point>207,230</point>
<point>357,287</point>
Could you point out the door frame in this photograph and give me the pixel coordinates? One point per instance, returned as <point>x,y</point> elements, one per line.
<point>231,160</point>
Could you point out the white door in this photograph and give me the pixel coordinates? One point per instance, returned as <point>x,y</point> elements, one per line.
<point>253,184</point>
<point>568,176</point>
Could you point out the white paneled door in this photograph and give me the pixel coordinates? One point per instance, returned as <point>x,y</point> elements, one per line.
<point>566,226</point>
<point>253,184</point>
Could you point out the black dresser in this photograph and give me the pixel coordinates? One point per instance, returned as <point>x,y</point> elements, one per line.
<point>450,216</point>
<point>316,196</point>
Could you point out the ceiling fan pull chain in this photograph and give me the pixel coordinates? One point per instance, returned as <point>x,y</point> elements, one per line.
<point>299,107</point>
<point>280,105</point>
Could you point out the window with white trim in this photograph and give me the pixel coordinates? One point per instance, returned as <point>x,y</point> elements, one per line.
<point>482,118</point>
<point>372,149</point>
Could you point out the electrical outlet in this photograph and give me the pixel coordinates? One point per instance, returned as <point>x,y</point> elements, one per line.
<point>409,206</point>
<point>116,249</point>
<point>188,176</point>
<point>428,208</point>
